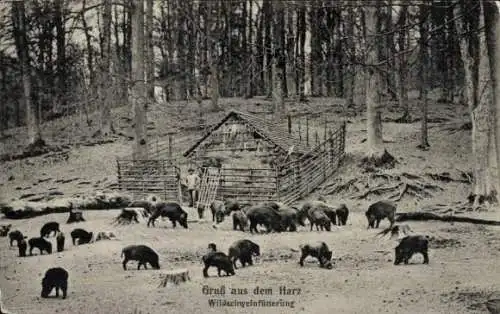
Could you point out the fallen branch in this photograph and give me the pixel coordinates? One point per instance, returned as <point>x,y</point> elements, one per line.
<point>424,216</point>
<point>397,197</point>
<point>343,187</point>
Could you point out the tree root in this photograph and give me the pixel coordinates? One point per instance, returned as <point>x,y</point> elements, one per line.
<point>414,188</point>
<point>385,159</point>
<point>424,216</point>
<point>377,190</point>
<point>335,189</point>
<point>446,177</point>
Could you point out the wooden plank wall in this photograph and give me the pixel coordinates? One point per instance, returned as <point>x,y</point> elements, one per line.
<point>248,185</point>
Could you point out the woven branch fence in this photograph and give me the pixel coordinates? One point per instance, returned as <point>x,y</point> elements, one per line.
<point>300,177</point>
<point>144,177</point>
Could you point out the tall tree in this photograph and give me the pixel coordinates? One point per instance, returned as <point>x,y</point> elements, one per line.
<point>61,50</point>
<point>351,54</point>
<point>492,26</point>
<point>267,8</point>
<point>278,61</point>
<point>424,142</point>
<point>301,55</point>
<point>213,27</point>
<point>150,57</point>
<point>105,86</point>
<point>376,153</point>
<point>20,36</point>
<point>138,85</point>
<point>401,72</point>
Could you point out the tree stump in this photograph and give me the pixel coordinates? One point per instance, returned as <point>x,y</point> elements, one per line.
<point>174,277</point>
<point>493,303</point>
<point>3,310</point>
<point>493,306</point>
<point>75,216</point>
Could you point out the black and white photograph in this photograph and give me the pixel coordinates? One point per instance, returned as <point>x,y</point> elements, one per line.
<point>249,156</point>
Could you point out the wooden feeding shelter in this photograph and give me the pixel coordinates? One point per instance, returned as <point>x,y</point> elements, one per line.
<point>259,160</point>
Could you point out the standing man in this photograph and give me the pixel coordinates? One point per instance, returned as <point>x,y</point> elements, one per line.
<point>192,183</point>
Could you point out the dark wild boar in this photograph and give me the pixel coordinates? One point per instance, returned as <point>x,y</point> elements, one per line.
<point>141,253</point>
<point>410,245</point>
<point>57,278</point>
<point>243,250</point>
<point>41,244</point>
<point>219,260</point>
<point>310,207</point>
<point>15,235</point>
<point>48,228</point>
<point>172,211</point>
<point>320,219</point>
<point>342,214</point>
<point>218,209</point>
<point>318,250</point>
<point>378,211</point>
<point>81,235</point>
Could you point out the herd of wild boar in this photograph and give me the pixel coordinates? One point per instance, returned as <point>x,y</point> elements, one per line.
<point>274,216</point>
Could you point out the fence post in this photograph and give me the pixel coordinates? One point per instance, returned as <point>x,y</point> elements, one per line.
<point>157,150</point>
<point>170,146</point>
<point>325,131</point>
<point>164,174</point>
<point>289,118</point>
<point>307,130</point>
<point>119,175</point>
<point>330,139</point>
<point>343,136</point>
<point>300,132</point>
<point>277,174</point>
<point>179,187</point>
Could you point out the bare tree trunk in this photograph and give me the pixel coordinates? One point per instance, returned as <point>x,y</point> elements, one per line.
<point>470,58</point>
<point>88,41</point>
<point>424,141</point>
<point>20,37</point>
<point>105,82</point>
<point>492,25</point>
<point>61,52</point>
<point>268,21</point>
<point>138,86</point>
<point>467,59</point>
<point>150,58</point>
<point>278,63</point>
<point>402,68</point>
<point>376,151</point>
<point>249,91</point>
<point>213,58</point>
<point>351,75</point>
<point>301,34</point>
